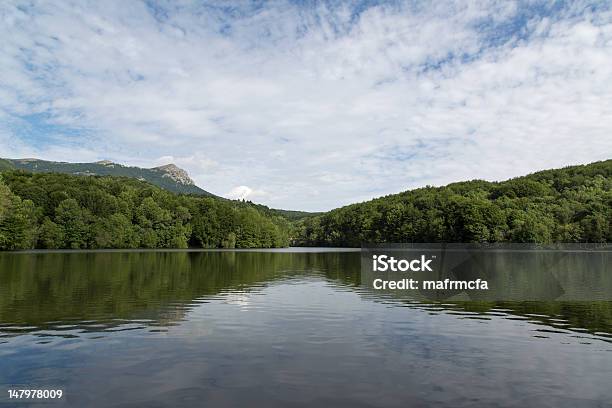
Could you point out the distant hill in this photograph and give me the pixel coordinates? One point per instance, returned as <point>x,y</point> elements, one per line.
<point>290,215</point>
<point>6,165</point>
<point>572,204</point>
<point>168,177</point>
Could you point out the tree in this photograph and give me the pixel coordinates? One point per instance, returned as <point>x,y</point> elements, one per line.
<point>18,221</point>
<point>115,231</point>
<point>50,235</point>
<point>229,241</point>
<point>596,228</point>
<point>72,218</point>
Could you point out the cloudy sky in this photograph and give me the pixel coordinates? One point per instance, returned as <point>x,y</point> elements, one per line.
<point>309,105</point>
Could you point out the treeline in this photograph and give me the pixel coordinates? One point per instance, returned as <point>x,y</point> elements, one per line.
<point>51,210</point>
<point>573,204</point>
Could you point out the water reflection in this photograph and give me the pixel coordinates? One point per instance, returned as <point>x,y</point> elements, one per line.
<point>71,294</point>
<point>277,329</point>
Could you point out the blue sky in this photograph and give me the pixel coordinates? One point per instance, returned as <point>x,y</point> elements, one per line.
<point>309,105</point>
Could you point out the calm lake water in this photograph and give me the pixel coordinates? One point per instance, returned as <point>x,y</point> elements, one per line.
<point>281,328</point>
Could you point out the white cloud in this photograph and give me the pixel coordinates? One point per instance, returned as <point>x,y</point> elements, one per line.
<point>319,106</point>
<point>245,193</point>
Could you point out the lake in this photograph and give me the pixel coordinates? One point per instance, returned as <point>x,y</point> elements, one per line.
<point>281,328</point>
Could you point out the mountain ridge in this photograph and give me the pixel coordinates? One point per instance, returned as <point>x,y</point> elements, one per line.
<point>169,176</point>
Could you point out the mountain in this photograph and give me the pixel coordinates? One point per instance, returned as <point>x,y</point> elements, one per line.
<point>169,177</point>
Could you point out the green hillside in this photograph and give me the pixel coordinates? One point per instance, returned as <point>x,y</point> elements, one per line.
<point>6,165</point>
<point>53,210</point>
<point>290,215</point>
<point>573,204</point>
<point>168,177</point>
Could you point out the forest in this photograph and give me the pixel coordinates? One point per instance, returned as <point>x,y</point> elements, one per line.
<point>52,210</point>
<point>573,204</point>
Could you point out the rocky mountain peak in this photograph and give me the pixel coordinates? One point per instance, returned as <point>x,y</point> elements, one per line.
<point>175,173</point>
<point>105,162</point>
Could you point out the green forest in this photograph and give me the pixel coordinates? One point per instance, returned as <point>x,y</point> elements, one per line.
<point>52,210</point>
<point>573,204</point>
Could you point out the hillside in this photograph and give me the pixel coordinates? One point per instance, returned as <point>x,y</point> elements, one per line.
<point>53,210</point>
<point>289,215</point>
<point>168,177</point>
<point>6,165</point>
<point>573,204</point>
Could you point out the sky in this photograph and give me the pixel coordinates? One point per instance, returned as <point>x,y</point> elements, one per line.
<point>309,105</point>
